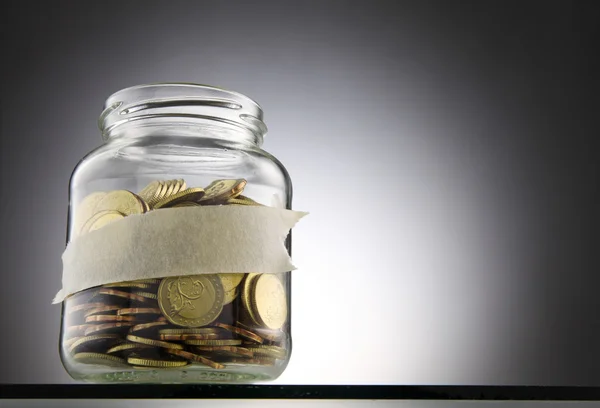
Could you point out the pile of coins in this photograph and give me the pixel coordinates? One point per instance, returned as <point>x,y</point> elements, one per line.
<point>209,320</point>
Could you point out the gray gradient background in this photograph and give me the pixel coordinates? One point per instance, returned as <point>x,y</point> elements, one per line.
<point>446,151</point>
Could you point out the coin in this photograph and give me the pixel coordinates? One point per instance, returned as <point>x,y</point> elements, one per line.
<point>268,351</point>
<point>228,350</point>
<point>182,337</point>
<point>190,194</point>
<point>138,311</point>
<point>152,342</point>
<point>145,294</point>
<point>148,362</point>
<point>122,201</point>
<point>102,219</point>
<point>109,318</point>
<point>107,327</point>
<point>120,293</point>
<point>85,210</point>
<point>200,330</point>
<point>242,332</point>
<point>270,335</point>
<point>211,342</point>
<point>153,281</point>
<point>146,326</point>
<point>245,201</point>
<point>186,204</point>
<point>101,309</point>
<point>135,284</point>
<point>223,190</point>
<point>246,294</point>
<point>269,301</point>
<point>230,280</point>
<point>127,347</point>
<point>77,330</point>
<point>67,343</point>
<point>249,200</point>
<point>197,358</point>
<point>191,301</point>
<point>151,191</point>
<point>99,358</point>
<point>230,296</point>
<point>96,217</point>
<point>93,341</point>
<point>262,361</point>
<point>84,306</point>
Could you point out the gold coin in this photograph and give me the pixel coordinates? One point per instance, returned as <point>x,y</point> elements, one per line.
<point>151,191</point>
<point>187,204</point>
<point>99,358</point>
<point>191,301</point>
<point>103,220</point>
<point>223,190</point>
<point>152,342</point>
<point>182,337</point>
<point>84,306</point>
<point>244,201</point>
<point>111,214</point>
<point>230,280</point>
<point>227,350</point>
<point>86,209</point>
<point>146,326</point>
<point>242,332</point>
<point>145,294</point>
<point>246,295</point>
<point>190,194</point>
<point>249,200</point>
<point>262,361</point>
<point>138,310</point>
<point>122,201</point>
<point>230,296</point>
<point>107,327</point>
<point>101,309</point>
<point>77,330</point>
<point>159,194</point>
<point>127,347</point>
<point>67,343</point>
<point>120,293</point>
<point>196,358</point>
<point>109,318</point>
<point>200,330</point>
<point>147,362</point>
<point>212,342</point>
<point>152,281</point>
<point>269,301</point>
<point>93,340</point>
<point>270,335</point>
<point>268,351</point>
<point>135,284</point>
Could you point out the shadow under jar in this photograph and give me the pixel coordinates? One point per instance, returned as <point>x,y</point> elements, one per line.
<point>168,146</point>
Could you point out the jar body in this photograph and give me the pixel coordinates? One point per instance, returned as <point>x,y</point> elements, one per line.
<point>120,332</point>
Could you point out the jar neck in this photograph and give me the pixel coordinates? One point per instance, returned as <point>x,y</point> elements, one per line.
<point>182,110</point>
<point>193,128</point>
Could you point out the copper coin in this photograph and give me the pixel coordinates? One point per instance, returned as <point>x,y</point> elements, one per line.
<point>235,350</point>
<point>109,318</point>
<point>138,310</point>
<point>120,293</point>
<point>196,358</point>
<point>107,327</point>
<point>242,332</point>
<point>146,326</point>
<point>101,309</point>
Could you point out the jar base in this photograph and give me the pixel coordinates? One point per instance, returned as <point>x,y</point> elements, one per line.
<point>192,375</point>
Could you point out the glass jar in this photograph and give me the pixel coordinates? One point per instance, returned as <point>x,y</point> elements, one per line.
<point>161,140</point>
